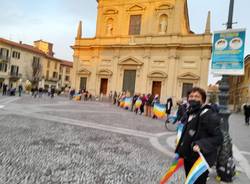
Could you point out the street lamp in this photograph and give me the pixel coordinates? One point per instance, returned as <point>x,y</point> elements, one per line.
<point>225,153</point>
<point>224,84</point>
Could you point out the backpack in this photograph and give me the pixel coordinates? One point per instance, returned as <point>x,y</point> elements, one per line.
<point>225,165</point>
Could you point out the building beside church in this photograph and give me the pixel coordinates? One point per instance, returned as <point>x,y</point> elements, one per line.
<point>239,87</point>
<point>21,62</point>
<point>142,46</point>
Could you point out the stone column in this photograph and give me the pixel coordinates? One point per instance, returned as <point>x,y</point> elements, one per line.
<point>204,66</point>
<point>146,71</point>
<point>93,79</point>
<point>172,75</point>
<point>116,73</point>
<point>76,66</point>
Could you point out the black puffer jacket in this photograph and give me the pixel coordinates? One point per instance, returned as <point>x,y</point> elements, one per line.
<point>203,129</point>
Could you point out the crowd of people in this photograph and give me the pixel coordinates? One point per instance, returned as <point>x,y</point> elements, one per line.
<point>146,105</point>
<point>9,90</point>
<point>82,94</point>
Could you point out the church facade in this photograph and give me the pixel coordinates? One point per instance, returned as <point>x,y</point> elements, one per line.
<point>142,46</point>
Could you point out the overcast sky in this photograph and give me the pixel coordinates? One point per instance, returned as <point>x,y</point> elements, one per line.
<point>56,20</point>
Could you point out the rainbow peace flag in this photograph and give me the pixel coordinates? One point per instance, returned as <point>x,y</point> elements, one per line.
<point>159,110</point>
<point>199,167</point>
<point>176,165</point>
<point>179,132</point>
<point>138,103</point>
<point>122,102</point>
<point>127,102</point>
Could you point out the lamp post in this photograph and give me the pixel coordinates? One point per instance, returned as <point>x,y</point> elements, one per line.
<point>224,84</point>
<point>225,153</point>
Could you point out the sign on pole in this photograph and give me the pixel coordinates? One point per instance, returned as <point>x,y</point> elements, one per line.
<point>228,52</point>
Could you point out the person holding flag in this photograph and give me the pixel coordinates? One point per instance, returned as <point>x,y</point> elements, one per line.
<point>201,135</point>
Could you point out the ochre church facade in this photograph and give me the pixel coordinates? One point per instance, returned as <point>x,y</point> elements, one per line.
<point>143,46</point>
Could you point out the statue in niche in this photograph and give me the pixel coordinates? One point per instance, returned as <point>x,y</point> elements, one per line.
<point>163,24</point>
<point>109,27</point>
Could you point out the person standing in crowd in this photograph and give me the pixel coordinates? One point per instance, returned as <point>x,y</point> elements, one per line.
<point>201,133</point>
<point>110,96</point>
<point>246,108</point>
<point>115,98</point>
<point>86,94</point>
<point>49,91</point>
<point>182,108</point>
<point>143,100</point>
<point>118,99</point>
<point>213,105</point>
<point>155,101</point>
<point>149,102</point>
<point>71,94</point>
<point>35,91</point>
<point>133,101</point>
<point>20,89</point>
<point>40,92</point>
<point>169,106</point>
<point>52,92</point>
<point>5,86</point>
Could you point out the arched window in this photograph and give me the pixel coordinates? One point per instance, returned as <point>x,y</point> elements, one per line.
<point>109,27</point>
<point>163,24</point>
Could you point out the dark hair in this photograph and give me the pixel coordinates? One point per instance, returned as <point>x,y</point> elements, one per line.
<point>201,91</point>
<point>188,93</point>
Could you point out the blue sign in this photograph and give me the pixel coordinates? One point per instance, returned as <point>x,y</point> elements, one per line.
<point>228,52</point>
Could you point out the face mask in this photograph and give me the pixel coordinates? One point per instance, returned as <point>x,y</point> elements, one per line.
<point>194,104</point>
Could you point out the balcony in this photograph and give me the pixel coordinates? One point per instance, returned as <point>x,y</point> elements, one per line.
<point>4,58</point>
<point>53,79</point>
<point>15,75</point>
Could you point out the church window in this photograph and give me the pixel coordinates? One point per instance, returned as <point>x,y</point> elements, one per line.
<point>135,25</point>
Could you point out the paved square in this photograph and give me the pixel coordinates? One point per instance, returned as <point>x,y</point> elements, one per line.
<point>47,141</point>
<point>60,141</point>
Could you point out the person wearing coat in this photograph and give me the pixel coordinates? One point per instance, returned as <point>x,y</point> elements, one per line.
<point>201,133</point>
<point>169,106</point>
<point>246,108</point>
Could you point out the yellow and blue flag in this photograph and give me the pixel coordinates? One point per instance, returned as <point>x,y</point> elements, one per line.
<point>159,110</point>
<point>138,103</point>
<point>127,102</point>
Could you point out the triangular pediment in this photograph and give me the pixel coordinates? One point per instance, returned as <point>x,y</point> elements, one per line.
<point>131,61</point>
<point>136,7</point>
<point>105,72</point>
<point>84,71</point>
<point>157,74</point>
<point>189,76</point>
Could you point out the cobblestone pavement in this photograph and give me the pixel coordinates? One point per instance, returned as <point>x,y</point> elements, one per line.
<point>47,140</point>
<point>36,148</point>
